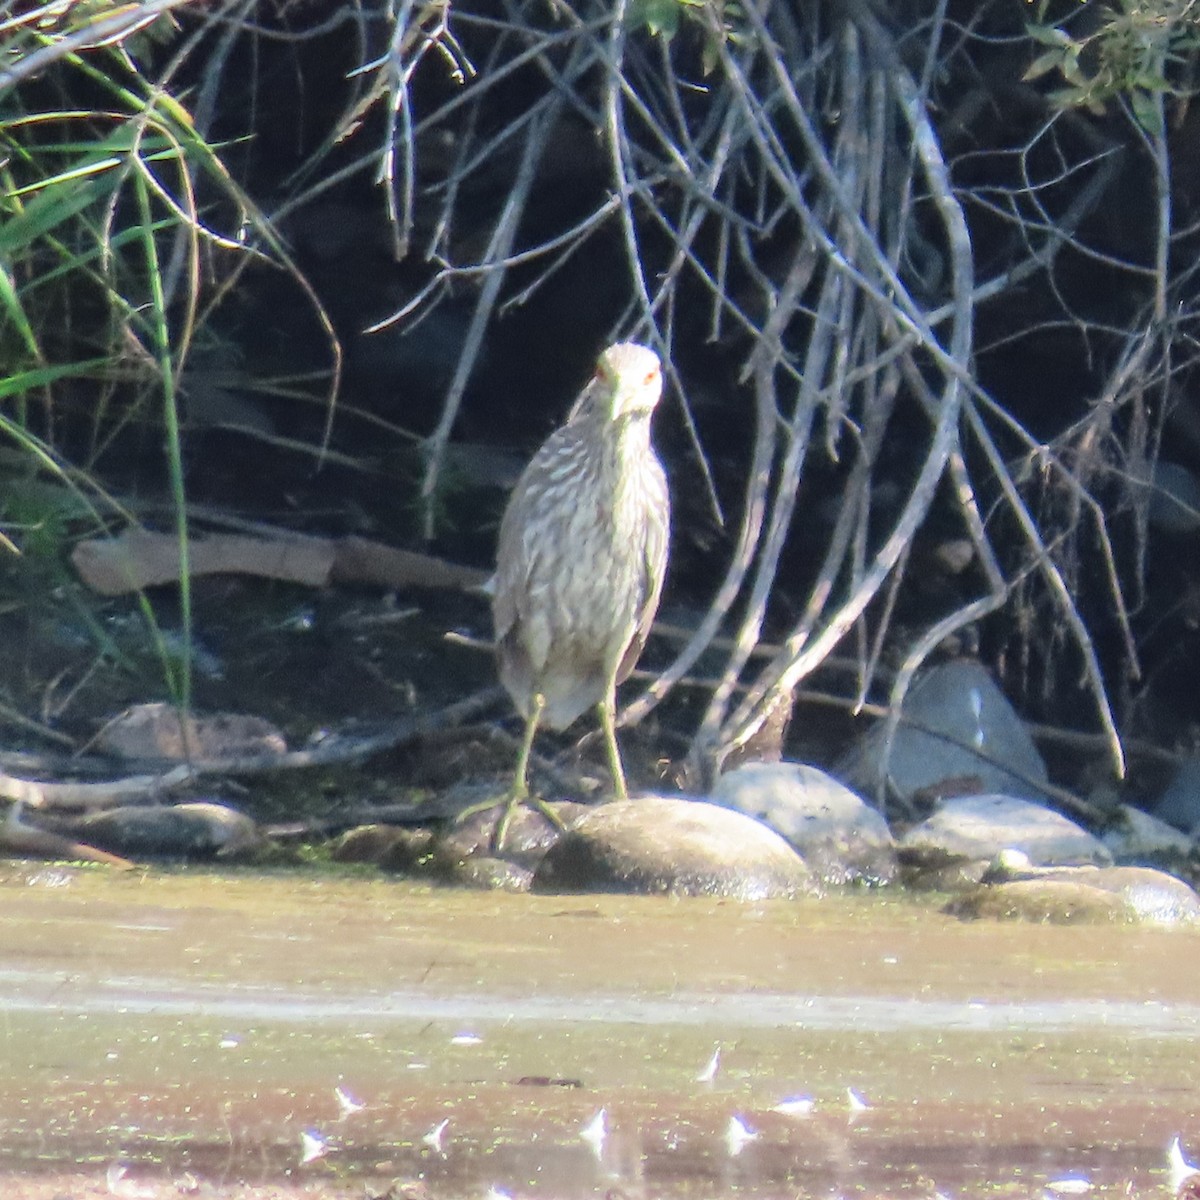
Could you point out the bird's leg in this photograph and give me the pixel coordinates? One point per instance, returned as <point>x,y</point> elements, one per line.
<point>608,712</point>
<point>518,792</point>
<point>520,783</point>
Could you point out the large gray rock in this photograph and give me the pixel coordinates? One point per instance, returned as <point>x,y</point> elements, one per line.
<point>1179,805</point>
<point>660,844</point>
<point>1138,837</point>
<point>837,834</point>
<point>1174,499</point>
<point>973,830</point>
<point>958,727</point>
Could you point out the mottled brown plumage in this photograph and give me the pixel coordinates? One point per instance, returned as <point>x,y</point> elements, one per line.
<point>582,554</point>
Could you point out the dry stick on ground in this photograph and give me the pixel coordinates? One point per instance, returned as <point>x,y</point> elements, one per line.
<point>335,751</point>
<point>20,838</point>
<point>130,789</point>
<point>139,558</point>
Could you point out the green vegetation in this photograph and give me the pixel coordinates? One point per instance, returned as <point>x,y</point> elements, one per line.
<point>1139,51</point>
<point>112,258</point>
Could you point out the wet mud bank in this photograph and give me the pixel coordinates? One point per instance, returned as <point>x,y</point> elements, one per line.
<point>188,1033</point>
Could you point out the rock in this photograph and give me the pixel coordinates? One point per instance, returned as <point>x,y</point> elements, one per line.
<point>1084,895</point>
<point>1138,837</point>
<point>659,844</point>
<point>1041,901</point>
<point>1151,897</point>
<point>527,839</point>
<point>394,847</point>
<point>488,873</point>
<point>1179,805</point>
<point>193,830</point>
<point>968,832</point>
<point>154,731</point>
<point>1174,499</point>
<point>957,714</point>
<point>839,836</point>
<point>461,853</point>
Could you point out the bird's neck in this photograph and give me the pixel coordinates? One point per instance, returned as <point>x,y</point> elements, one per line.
<point>629,435</point>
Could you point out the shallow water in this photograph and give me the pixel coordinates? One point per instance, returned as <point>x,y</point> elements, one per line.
<point>193,1026</point>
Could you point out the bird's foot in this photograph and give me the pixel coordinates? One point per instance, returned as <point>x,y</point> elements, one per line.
<point>510,802</point>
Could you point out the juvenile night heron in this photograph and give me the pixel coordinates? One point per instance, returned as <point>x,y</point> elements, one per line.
<point>581,559</point>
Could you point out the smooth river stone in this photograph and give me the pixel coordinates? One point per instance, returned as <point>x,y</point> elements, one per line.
<point>1137,895</point>
<point>665,845</point>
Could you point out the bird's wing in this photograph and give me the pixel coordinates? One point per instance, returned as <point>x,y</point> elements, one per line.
<point>518,620</point>
<point>654,570</point>
<point>510,570</point>
<point>516,671</point>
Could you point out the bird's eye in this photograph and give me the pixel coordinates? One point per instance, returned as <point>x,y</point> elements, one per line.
<point>651,376</point>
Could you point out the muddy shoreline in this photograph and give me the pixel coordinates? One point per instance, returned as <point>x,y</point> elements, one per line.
<point>198,1026</point>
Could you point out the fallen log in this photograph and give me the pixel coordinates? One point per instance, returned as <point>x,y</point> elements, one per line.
<point>140,558</point>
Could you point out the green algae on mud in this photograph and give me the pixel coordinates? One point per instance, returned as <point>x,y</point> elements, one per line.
<point>192,1022</point>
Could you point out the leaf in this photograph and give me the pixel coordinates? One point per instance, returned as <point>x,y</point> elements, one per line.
<point>1048,35</point>
<point>710,56</point>
<point>1051,60</point>
<point>1152,81</point>
<point>14,310</point>
<point>1070,68</point>
<point>57,202</point>
<point>1076,98</point>
<point>28,381</point>
<point>660,17</point>
<point>1147,111</point>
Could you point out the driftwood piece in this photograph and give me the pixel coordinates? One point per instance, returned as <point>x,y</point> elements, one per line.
<point>196,829</point>
<point>141,558</point>
<point>343,749</point>
<point>19,839</point>
<point>360,560</point>
<point>107,794</point>
<point>334,750</point>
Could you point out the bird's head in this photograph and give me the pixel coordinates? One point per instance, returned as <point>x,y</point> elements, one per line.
<point>628,380</point>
